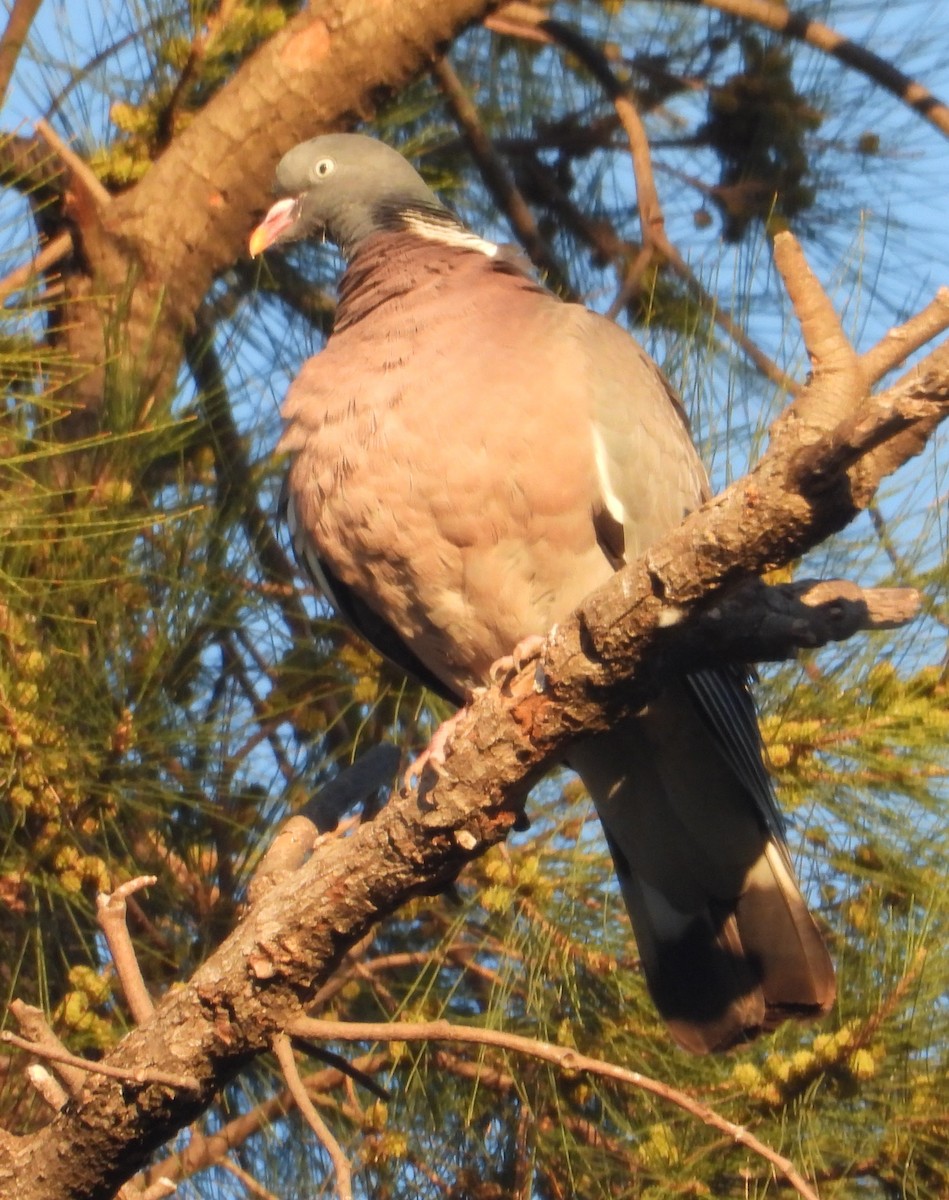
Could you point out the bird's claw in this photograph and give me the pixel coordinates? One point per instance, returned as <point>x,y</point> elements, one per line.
<point>434,755</point>
<point>503,669</point>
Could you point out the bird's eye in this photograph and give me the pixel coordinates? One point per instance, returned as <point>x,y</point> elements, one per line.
<point>326,166</point>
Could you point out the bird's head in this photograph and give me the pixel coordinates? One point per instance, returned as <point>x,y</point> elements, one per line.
<point>344,187</point>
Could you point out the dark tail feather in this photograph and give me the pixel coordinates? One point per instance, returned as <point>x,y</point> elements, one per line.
<point>727,944</point>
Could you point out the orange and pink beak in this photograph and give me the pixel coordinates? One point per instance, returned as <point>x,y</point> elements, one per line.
<point>280,217</point>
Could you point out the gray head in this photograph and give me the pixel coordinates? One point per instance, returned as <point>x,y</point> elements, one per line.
<point>344,186</point>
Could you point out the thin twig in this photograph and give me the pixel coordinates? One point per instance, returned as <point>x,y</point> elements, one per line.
<point>203,1152</point>
<point>344,1175</point>
<point>249,1182</point>
<point>159,1189</point>
<point>517,19</point>
<point>111,911</point>
<point>51,1054</point>
<point>897,344</point>
<point>51,254</point>
<point>80,170</point>
<point>889,1004</point>
<point>921,394</point>
<point>652,222</point>
<point>33,1023</point>
<point>48,1086</point>
<point>150,845</point>
<point>562,1057</point>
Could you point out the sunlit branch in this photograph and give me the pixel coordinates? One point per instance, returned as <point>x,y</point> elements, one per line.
<point>140,1076</point>
<point>48,1086</point>
<point>157,1191</point>
<point>52,253</point>
<point>39,1035</point>
<point>82,174</point>
<point>897,344</point>
<point>203,1152</point>
<point>111,910</point>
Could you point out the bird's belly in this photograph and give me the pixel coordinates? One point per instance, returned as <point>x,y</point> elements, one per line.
<point>460,595</point>
<point>452,532</point>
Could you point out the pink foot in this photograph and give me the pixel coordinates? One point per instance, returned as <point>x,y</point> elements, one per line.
<point>502,670</point>
<point>434,753</point>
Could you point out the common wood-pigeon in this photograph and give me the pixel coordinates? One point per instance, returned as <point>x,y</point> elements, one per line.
<point>469,458</point>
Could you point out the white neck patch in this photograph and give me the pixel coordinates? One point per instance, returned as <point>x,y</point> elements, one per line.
<point>449,235</point>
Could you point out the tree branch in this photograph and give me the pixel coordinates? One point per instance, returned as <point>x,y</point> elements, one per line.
<point>79,170</point>
<point>52,253</point>
<point>38,1033</point>
<point>64,1058</point>
<point>344,1174</point>
<point>13,39</point>
<point>897,345</point>
<point>111,911</point>
<point>563,1057</point>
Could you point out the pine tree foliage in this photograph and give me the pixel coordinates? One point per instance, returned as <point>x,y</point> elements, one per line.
<point>170,690</point>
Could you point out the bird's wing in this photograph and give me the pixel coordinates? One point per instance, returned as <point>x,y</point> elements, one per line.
<point>382,636</point>
<point>727,944</point>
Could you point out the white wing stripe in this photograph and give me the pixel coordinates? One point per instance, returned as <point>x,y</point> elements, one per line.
<point>614,506</point>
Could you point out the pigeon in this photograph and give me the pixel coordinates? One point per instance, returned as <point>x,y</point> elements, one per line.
<point>470,457</point>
